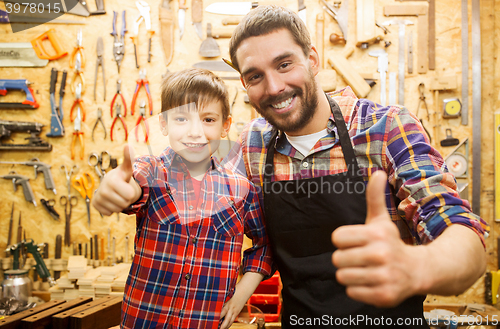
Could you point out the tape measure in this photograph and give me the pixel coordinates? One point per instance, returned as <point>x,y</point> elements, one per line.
<point>457,164</point>
<point>451,108</point>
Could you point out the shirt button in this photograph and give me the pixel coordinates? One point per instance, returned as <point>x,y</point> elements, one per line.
<point>231,202</point>
<point>194,240</point>
<point>305,164</point>
<point>191,207</point>
<point>187,276</point>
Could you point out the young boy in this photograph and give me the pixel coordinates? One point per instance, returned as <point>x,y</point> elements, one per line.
<point>191,216</point>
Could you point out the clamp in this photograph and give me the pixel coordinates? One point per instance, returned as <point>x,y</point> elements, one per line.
<point>143,81</point>
<point>144,15</point>
<point>118,115</point>
<point>77,134</point>
<point>119,43</point>
<point>142,117</point>
<point>78,101</point>
<point>99,120</point>
<point>79,73</point>
<point>78,49</point>
<point>118,92</point>
<point>56,116</point>
<point>421,99</point>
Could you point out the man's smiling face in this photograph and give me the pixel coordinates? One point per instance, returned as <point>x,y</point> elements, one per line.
<point>279,79</point>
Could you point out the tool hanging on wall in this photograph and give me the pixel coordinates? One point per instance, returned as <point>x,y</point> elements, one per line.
<point>347,71</point>
<point>78,50</point>
<point>465,60</point>
<point>77,135</point>
<point>383,64</point>
<point>365,24</point>
<point>48,205</point>
<point>118,92</point>
<point>39,46</point>
<point>142,81</point>
<point>167,22</point>
<point>100,62</point>
<point>35,143</point>
<point>496,131</point>
<point>142,118</point>
<point>401,56</point>
<point>67,201</point>
<point>118,111</point>
<point>99,4</point>
<point>410,52</point>
<point>97,121</point>
<point>25,184</point>
<point>77,104</point>
<point>7,85</point>
<point>19,54</point>
<point>181,17</point>
<point>302,11</point>
<point>39,167</point>
<point>56,112</point>
<point>144,15</point>
<point>79,74</point>
<point>421,99</point>
<point>11,224</point>
<point>449,140</point>
<point>440,84</point>
<point>119,40</point>
<point>209,47</point>
<point>197,16</point>
<point>476,106</point>
<point>341,15</point>
<point>451,108</point>
<point>84,184</point>
<point>420,11</point>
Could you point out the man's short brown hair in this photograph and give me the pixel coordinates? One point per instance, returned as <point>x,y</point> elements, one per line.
<point>267,19</point>
<point>193,85</point>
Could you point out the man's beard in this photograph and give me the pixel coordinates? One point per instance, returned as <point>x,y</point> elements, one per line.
<point>283,122</point>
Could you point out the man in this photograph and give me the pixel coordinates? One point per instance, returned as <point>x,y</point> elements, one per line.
<point>312,159</point>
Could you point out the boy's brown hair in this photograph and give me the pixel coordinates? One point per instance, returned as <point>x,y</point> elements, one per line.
<point>193,85</point>
<point>267,19</point>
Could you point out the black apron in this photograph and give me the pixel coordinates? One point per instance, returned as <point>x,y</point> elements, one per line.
<point>300,216</point>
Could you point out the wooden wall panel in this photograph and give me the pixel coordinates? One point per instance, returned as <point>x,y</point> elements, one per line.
<point>42,228</point>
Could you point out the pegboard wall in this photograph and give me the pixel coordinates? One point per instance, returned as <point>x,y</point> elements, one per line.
<point>39,225</point>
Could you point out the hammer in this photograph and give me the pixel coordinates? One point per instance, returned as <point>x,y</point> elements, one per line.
<point>401,51</point>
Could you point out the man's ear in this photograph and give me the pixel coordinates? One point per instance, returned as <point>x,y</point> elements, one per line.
<point>314,60</point>
<point>226,127</point>
<point>163,123</point>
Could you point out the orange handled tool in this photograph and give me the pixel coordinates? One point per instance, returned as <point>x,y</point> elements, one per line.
<point>40,50</point>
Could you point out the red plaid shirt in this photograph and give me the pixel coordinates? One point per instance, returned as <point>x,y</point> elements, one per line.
<point>187,258</point>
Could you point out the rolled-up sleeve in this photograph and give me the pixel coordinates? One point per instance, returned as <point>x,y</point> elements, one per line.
<point>144,169</point>
<point>429,198</point>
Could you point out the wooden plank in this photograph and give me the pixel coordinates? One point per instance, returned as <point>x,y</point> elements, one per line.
<point>102,316</point>
<point>320,38</point>
<point>349,74</point>
<point>432,34</point>
<point>422,44</point>
<point>405,10</point>
<point>62,320</point>
<point>365,21</point>
<point>14,321</point>
<point>43,320</point>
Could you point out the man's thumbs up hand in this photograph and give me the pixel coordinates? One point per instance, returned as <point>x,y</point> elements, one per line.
<point>371,260</point>
<point>117,190</point>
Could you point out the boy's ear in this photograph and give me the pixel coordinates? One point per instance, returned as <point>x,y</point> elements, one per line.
<point>163,124</point>
<point>226,126</point>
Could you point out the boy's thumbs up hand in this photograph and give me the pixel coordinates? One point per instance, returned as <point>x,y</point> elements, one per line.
<point>371,259</point>
<point>117,190</point>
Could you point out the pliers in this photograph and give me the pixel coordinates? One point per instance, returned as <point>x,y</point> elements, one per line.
<point>118,92</point>
<point>99,119</point>
<point>119,42</point>
<point>78,101</point>
<point>144,82</point>
<point>142,117</point>
<point>78,49</point>
<point>144,14</point>
<point>100,62</point>
<point>77,134</point>
<point>78,72</point>
<point>119,115</point>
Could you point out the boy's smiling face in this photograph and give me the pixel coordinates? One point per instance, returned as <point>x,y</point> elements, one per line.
<point>195,134</point>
